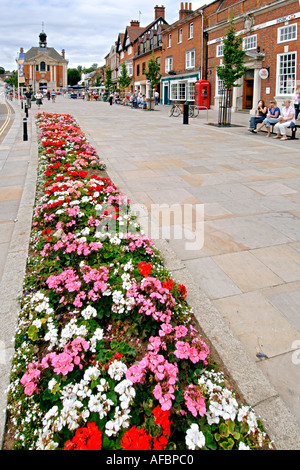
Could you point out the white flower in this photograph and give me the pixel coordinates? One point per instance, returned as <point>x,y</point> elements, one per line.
<point>85,231</point>
<point>242,446</point>
<point>194,438</point>
<point>92,373</point>
<point>117,370</point>
<point>89,312</point>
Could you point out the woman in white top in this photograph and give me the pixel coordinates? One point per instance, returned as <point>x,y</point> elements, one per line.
<point>39,98</point>
<point>284,121</point>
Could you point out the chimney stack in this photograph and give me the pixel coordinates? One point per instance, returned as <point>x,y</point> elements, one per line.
<point>185,10</point>
<point>63,53</point>
<point>159,12</point>
<point>135,24</point>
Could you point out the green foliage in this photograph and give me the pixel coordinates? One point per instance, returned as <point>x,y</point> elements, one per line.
<point>13,80</point>
<point>153,74</point>
<point>74,77</point>
<point>233,60</point>
<point>124,79</point>
<point>108,80</point>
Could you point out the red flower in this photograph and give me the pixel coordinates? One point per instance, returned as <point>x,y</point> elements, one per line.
<point>136,439</point>
<point>89,438</point>
<point>182,291</point>
<point>159,443</point>
<point>145,269</point>
<point>168,284</point>
<point>162,418</point>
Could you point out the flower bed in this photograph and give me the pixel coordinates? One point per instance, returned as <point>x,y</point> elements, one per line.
<point>107,355</point>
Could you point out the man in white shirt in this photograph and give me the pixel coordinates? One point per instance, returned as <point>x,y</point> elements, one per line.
<point>284,121</point>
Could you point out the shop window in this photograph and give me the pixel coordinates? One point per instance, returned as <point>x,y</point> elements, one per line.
<point>286,73</point>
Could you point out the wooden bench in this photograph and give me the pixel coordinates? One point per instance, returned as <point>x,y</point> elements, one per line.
<point>292,128</point>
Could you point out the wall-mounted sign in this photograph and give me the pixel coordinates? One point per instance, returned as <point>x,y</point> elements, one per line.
<point>264,73</point>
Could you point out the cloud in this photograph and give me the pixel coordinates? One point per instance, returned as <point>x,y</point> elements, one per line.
<point>85,29</point>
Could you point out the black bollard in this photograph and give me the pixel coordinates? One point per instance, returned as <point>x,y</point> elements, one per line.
<point>186,113</point>
<point>25,134</point>
<point>26,110</point>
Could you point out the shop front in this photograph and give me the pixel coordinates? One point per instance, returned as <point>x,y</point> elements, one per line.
<point>178,88</point>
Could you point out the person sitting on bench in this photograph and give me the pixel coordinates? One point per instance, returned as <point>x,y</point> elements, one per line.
<point>272,118</point>
<point>285,120</point>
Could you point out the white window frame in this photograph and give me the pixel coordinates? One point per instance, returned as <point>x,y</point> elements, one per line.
<point>190,59</point>
<point>251,38</point>
<point>170,40</point>
<point>129,50</point>
<point>218,83</point>
<point>191,30</point>
<point>285,31</point>
<point>191,91</point>
<point>292,81</point>
<point>180,36</point>
<point>220,50</point>
<point>179,91</point>
<point>168,64</point>
<point>174,92</point>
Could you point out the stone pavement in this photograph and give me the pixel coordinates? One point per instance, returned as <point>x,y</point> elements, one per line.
<point>244,282</point>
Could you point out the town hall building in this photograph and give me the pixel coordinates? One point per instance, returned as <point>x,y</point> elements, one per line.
<point>44,67</point>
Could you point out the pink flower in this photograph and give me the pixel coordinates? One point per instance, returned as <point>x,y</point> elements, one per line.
<point>194,400</point>
<point>63,364</point>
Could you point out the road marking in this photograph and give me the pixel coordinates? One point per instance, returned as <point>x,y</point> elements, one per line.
<point>7,120</point>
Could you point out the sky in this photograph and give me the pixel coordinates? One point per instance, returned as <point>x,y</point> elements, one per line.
<point>86,29</point>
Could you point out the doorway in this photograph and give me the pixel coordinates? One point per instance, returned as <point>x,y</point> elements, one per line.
<point>166,93</point>
<point>248,89</point>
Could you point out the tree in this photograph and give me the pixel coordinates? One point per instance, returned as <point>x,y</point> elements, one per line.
<point>108,80</point>
<point>2,71</point>
<point>74,77</point>
<point>124,79</point>
<point>98,80</point>
<point>153,74</point>
<point>13,80</point>
<point>232,69</point>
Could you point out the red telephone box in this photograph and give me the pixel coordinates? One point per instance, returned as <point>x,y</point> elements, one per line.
<point>202,94</point>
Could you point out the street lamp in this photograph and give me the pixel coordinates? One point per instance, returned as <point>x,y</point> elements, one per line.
<point>34,75</point>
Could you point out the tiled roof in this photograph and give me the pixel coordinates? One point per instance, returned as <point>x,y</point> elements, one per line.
<point>49,51</point>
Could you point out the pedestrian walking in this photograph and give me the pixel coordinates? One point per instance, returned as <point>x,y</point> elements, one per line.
<point>28,96</point>
<point>156,97</point>
<point>53,95</point>
<point>111,98</point>
<point>39,99</point>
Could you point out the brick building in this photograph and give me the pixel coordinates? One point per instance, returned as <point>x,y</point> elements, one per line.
<point>45,67</point>
<point>112,63</point>
<point>127,46</point>
<point>149,42</point>
<point>271,40</point>
<point>182,62</point>
<point>191,48</point>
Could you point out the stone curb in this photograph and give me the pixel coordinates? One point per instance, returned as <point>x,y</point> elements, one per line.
<point>11,287</point>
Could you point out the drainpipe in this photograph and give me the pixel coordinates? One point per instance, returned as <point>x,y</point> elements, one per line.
<point>202,50</point>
